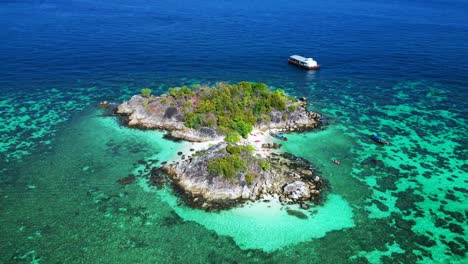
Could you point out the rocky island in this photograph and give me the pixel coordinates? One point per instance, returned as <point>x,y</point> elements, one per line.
<point>233,157</point>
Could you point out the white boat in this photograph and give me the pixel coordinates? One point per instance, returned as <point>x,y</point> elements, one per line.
<point>306,63</point>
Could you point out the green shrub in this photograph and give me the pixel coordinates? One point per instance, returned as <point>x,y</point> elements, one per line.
<point>228,167</point>
<point>178,93</point>
<point>264,165</point>
<point>163,101</point>
<point>249,178</point>
<point>230,107</point>
<point>259,87</point>
<point>193,120</point>
<point>145,103</point>
<point>284,117</point>
<point>280,92</point>
<point>246,87</point>
<point>232,137</point>
<point>278,101</point>
<point>198,153</point>
<point>187,106</point>
<point>292,108</point>
<point>233,149</point>
<point>243,128</point>
<point>146,92</point>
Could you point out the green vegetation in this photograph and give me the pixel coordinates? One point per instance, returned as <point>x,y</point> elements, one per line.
<point>145,103</point>
<point>193,120</point>
<point>163,101</point>
<point>249,178</point>
<point>180,92</point>
<point>232,137</point>
<point>229,107</point>
<point>234,163</point>
<point>228,167</point>
<point>292,108</point>
<point>237,150</point>
<point>198,153</point>
<point>146,92</point>
<point>264,165</point>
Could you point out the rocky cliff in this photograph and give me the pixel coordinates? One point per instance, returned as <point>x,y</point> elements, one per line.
<point>165,113</point>
<point>159,113</point>
<point>290,178</point>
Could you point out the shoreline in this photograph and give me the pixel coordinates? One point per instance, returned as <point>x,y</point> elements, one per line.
<point>256,139</point>
<point>209,170</point>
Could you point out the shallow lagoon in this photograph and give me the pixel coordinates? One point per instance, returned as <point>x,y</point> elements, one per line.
<point>66,193</point>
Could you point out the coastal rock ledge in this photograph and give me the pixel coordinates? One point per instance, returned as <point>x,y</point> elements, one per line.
<point>167,113</point>
<point>289,179</point>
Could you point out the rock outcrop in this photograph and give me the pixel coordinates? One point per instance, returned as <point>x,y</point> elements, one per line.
<point>160,112</point>
<point>292,121</point>
<point>157,113</point>
<point>290,178</point>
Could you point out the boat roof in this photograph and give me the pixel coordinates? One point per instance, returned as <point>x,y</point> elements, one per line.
<point>299,58</point>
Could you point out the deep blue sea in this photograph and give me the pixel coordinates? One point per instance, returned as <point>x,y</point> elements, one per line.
<point>398,68</point>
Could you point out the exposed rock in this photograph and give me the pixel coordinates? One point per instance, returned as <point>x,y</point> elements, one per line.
<point>156,113</point>
<point>296,191</point>
<point>289,177</point>
<point>271,145</point>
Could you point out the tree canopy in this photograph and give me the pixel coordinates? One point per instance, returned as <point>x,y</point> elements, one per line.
<point>230,107</point>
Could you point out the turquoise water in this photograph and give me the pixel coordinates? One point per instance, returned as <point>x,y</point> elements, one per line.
<point>60,198</point>
<point>61,156</point>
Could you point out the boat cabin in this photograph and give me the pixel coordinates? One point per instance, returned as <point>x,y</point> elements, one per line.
<point>306,63</point>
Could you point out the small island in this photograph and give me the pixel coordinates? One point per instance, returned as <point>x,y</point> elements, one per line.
<point>234,156</point>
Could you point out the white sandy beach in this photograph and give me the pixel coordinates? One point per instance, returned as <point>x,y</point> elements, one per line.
<point>256,138</point>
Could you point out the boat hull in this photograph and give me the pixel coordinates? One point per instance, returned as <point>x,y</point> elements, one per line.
<point>303,66</point>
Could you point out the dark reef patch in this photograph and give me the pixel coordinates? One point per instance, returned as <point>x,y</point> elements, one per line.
<point>172,219</point>
<point>380,205</point>
<point>461,189</point>
<point>424,241</point>
<point>407,199</point>
<point>127,180</point>
<point>404,224</point>
<point>387,183</point>
<point>454,228</point>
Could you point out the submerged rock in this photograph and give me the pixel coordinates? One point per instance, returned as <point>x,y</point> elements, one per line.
<point>127,180</point>
<point>297,214</point>
<point>372,162</point>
